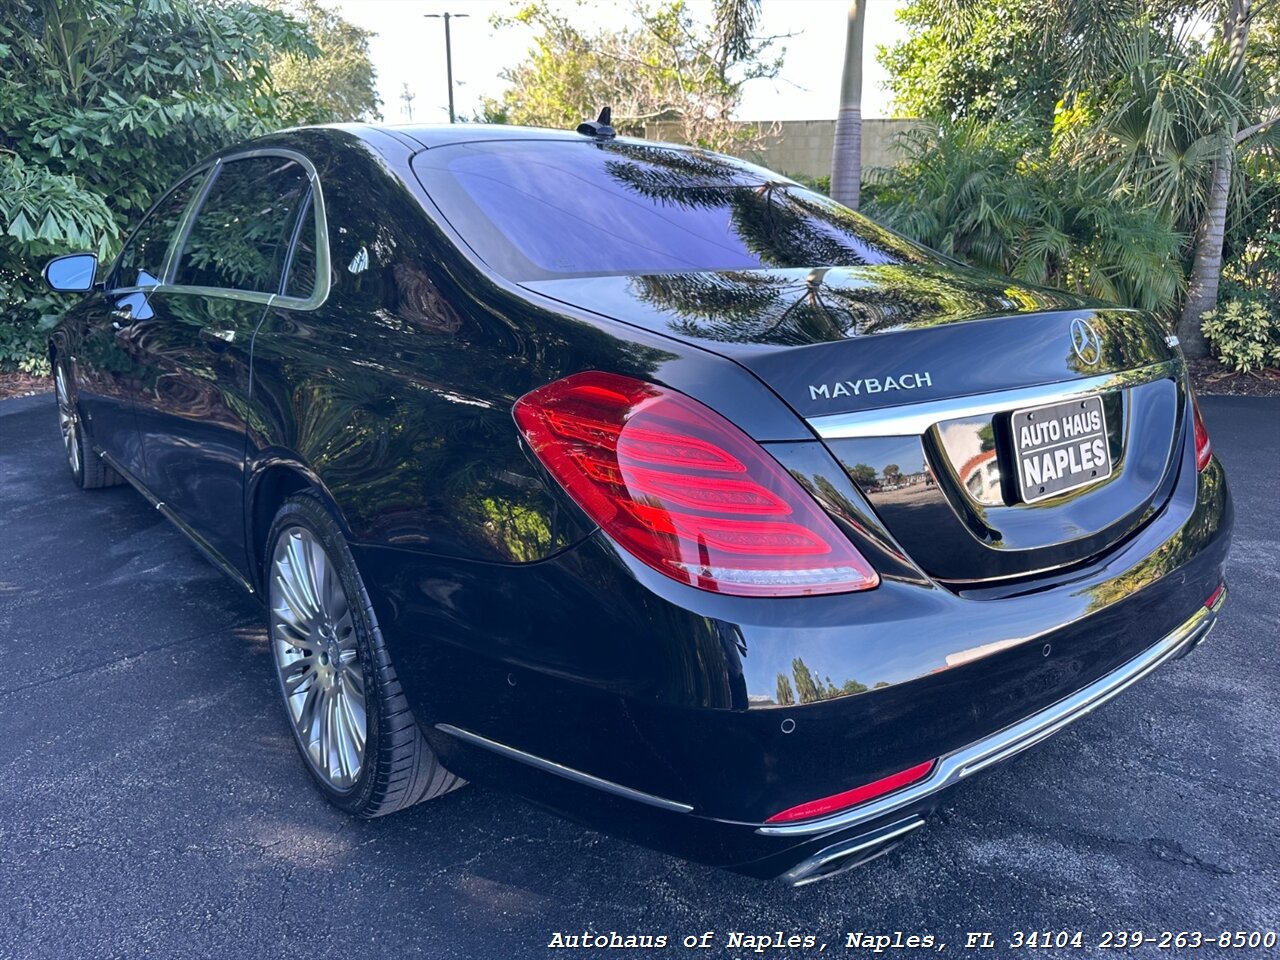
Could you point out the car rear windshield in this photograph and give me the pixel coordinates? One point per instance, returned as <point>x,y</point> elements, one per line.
<point>539,210</point>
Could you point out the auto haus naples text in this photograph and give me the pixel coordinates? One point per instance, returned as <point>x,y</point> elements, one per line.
<point>1062,446</point>
<point>764,942</point>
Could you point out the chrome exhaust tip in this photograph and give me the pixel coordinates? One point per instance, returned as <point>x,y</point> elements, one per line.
<point>847,854</point>
<point>1199,637</point>
<point>1207,623</point>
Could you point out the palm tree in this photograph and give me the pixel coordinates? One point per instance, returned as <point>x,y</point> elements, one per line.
<point>1199,112</point>
<point>1206,265</point>
<point>736,21</point>
<point>1163,123</point>
<point>990,194</point>
<point>846,158</point>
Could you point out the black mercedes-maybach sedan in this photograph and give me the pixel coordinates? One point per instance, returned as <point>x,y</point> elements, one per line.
<point>641,480</point>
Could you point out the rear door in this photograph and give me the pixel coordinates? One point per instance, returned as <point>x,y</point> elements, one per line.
<point>197,346</point>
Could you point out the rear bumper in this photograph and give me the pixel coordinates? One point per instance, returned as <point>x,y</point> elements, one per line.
<point>880,823</point>
<point>1012,740</point>
<point>816,849</point>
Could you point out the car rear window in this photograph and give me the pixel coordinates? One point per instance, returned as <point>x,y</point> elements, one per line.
<point>301,268</point>
<point>536,210</point>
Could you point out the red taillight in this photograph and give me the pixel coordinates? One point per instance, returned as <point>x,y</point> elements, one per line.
<point>1204,449</point>
<point>685,491</point>
<point>851,798</point>
<point>1215,596</point>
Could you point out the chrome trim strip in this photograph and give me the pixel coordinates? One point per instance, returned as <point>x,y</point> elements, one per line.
<point>914,419</point>
<point>201,544</point>
<point>577,776</point>
<point>955,766</point>
<point>205,547</point>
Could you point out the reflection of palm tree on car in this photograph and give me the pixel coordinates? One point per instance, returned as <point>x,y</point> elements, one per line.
<point>883,281</point>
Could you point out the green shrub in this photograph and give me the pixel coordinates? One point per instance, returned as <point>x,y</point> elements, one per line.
<point>995,195</point>
<point>24,335</point>
<point>23,348</point>
<point>1245,335</point>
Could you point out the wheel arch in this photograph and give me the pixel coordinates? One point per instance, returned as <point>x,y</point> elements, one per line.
<point>271,480</point>
<point>56,346</point>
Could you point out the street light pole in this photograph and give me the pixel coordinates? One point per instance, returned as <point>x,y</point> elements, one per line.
<point>448,53</point>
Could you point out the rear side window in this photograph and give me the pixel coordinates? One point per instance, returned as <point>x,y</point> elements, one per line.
<point>301,275</point>
<point>537,210</point>
<point>142,261</point>
<point>241,233</point>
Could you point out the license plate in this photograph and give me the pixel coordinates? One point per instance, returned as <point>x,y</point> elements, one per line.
<point>1060,447</point>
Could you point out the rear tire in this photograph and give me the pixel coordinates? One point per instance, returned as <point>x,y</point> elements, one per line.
<point>350,719</point>
<point>89,470</point>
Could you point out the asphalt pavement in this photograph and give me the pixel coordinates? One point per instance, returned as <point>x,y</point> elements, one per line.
<point>152,803</point>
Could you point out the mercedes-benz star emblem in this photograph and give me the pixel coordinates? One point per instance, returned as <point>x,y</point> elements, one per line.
<point>1086,342</point>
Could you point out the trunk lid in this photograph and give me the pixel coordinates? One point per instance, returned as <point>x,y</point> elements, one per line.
<point>920,380</point>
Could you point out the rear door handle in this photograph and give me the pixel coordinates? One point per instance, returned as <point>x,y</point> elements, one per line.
<point>221,336</point>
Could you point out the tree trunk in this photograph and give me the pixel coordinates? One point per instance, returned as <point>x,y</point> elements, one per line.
<point>846,158</point>
<point>1206,266</point>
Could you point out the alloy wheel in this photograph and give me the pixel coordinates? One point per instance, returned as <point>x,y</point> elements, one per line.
<point>313,639</point>
<point>68,420</point>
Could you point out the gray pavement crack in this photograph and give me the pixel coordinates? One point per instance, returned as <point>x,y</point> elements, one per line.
<point>1172,852</point>
<point>1161,848</point>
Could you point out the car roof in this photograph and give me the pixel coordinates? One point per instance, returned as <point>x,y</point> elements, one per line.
<point>397,140</point>
<point>442,134</point>
<point>429,135</point>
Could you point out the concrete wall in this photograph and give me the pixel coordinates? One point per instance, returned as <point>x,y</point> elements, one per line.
<point>804,146</point>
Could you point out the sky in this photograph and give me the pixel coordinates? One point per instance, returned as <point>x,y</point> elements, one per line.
<point>409,48</point>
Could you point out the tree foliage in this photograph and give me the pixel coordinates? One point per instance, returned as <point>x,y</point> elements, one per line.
<point>990,63</point>
<point>338,83</point>
<point>989,193</point>
<point>1098,129</point>
<point>661,63</point>
<point>102,104</point>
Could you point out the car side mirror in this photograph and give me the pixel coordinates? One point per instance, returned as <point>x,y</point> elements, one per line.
<point>73,273</point>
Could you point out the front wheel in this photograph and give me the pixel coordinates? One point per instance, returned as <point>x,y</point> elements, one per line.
<point>87,469</point>
<point>349,717</point>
